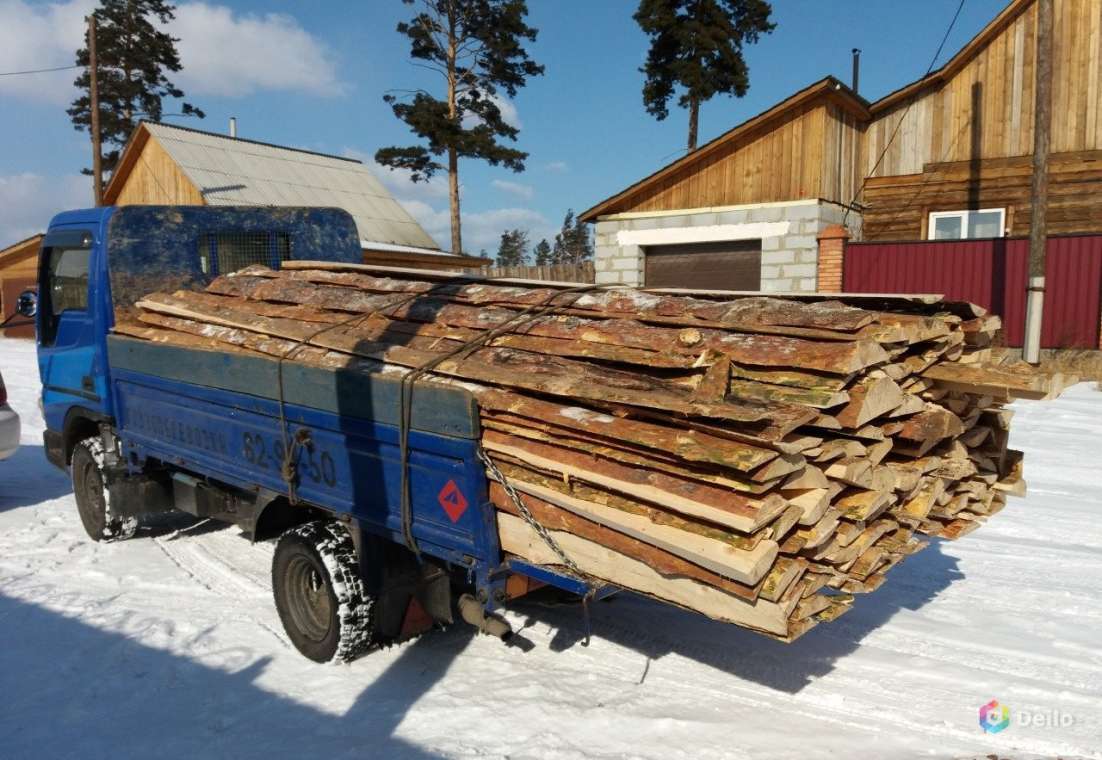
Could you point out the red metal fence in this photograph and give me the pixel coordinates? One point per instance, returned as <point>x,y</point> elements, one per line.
<point>992,273</point>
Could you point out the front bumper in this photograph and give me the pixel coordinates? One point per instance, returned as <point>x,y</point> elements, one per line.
<point>9,431</point>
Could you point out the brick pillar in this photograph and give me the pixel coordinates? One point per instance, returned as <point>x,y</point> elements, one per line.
<point>832,246</point>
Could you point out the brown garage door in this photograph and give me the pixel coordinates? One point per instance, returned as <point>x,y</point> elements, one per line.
<point>732,265</point>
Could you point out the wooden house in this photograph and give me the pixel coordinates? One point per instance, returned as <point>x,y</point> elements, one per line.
<point>18,272</point>
<point>166,165</point>
<point>947,156</point>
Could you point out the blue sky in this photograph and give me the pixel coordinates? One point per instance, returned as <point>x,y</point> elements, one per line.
<point>313,74</point>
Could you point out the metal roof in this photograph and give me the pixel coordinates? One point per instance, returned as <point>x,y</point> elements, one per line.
<point>230,171</point>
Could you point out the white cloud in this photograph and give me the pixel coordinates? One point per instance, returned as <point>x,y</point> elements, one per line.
<point>398,182</point>
<point>558,167</point>
<point>509,113</point>
<point>223,54</point>
<point>235,55</point>
<point>28,201</point>
<point>427,202</point>
<point>41,37</point>
<point>514,188</point>
<point>508,110</point>
<point>481,229</point>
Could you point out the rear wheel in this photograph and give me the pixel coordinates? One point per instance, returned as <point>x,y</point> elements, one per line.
<point>321,598</point>
<point>93,502</point>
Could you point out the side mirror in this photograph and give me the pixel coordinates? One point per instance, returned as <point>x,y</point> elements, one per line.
<point>27,305</point>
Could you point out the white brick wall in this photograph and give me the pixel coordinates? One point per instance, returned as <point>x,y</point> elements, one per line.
<point>789,259</point>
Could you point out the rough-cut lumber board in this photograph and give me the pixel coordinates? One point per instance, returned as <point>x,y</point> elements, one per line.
<point>552,515</point>
<point>809,476</point>
<point>785,572</point>
<point>520,539</point>
<point>517,470</point>
<point>812,501</point>
<point>850,470</point>
<point>933,424</point>
<point>861,505</point>
<point>687,444</point>
<point>792,378</point>
<point>1002,382</point>
<point>692,499</point>
<point>158,335</point>
<point>548,434</point>
<point>820,399</point>
<point>744,566</point>
<point>869,400</point>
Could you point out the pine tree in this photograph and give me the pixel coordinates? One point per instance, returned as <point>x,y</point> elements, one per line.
<point>573,244</point>
<point>543,253</point>
<point>133,55</point>
<point>696,45</point>
<point>477,47</point>
<point>513,250</point>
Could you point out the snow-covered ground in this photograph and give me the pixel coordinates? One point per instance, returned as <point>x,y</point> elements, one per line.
<point>169,646</point>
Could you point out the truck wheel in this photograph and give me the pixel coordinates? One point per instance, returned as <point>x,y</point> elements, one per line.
<point>321,598</point>
<point>93,502</point>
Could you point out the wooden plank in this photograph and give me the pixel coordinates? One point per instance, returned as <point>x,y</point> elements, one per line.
<point>697,500</point>
<point>518,538</point>
<point>745,566</point>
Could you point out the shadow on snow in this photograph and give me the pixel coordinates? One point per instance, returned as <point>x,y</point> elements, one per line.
<point>27,478</point>
<point>73,690</point>
<point>655,629</point>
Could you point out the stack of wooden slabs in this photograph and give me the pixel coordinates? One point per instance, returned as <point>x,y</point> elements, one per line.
<point>756,459</point>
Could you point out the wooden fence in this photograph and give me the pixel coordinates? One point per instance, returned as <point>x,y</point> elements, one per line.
<point>558,272</point>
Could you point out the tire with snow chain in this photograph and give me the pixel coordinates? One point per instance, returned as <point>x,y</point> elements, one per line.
<point>321,598</point>
<point>93,501</point>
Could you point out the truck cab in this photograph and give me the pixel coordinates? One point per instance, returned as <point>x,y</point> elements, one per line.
<point>96,262</point>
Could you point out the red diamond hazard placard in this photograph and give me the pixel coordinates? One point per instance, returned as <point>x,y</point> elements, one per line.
<point>452,500</point>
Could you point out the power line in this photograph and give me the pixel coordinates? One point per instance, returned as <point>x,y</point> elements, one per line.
<point>37,71</point>
<point>898,124</point>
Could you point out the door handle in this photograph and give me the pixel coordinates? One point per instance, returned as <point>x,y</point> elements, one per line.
<point>87,384</point>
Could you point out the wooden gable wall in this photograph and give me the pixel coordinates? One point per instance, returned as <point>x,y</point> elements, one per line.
<point>968,143</point>
<point>155,179</point>
<point>986,109</point>
<point>783,161</point>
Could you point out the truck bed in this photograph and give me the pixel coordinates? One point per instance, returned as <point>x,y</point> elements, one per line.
<point>217,414</point>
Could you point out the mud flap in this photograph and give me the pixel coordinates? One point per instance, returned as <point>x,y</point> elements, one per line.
<point>139,495</point>
<point>411,596</point>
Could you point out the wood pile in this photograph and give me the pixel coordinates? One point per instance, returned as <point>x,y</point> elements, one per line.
<point>759,460</point>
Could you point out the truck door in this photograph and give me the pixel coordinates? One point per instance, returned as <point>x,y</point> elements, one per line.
<point>66,330</point>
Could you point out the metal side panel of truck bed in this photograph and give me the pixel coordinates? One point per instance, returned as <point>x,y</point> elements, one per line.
<point>218,414</point>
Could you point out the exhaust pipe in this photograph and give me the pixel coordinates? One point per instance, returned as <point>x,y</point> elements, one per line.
<point>472,611</point>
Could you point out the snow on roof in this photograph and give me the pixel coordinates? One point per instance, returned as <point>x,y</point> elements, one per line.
<point>230,171</point>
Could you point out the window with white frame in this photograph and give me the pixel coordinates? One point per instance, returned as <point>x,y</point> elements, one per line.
<point>959,225</point>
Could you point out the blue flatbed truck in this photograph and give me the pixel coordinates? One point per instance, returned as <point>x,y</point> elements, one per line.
<point>306,454</point>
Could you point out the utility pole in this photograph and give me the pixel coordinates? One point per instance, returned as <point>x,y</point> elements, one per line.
<point>93,90</point>
<point>1038,196</point>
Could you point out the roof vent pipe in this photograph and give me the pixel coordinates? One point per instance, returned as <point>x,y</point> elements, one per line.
<point>233,124</point>
<point>856,69</point>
